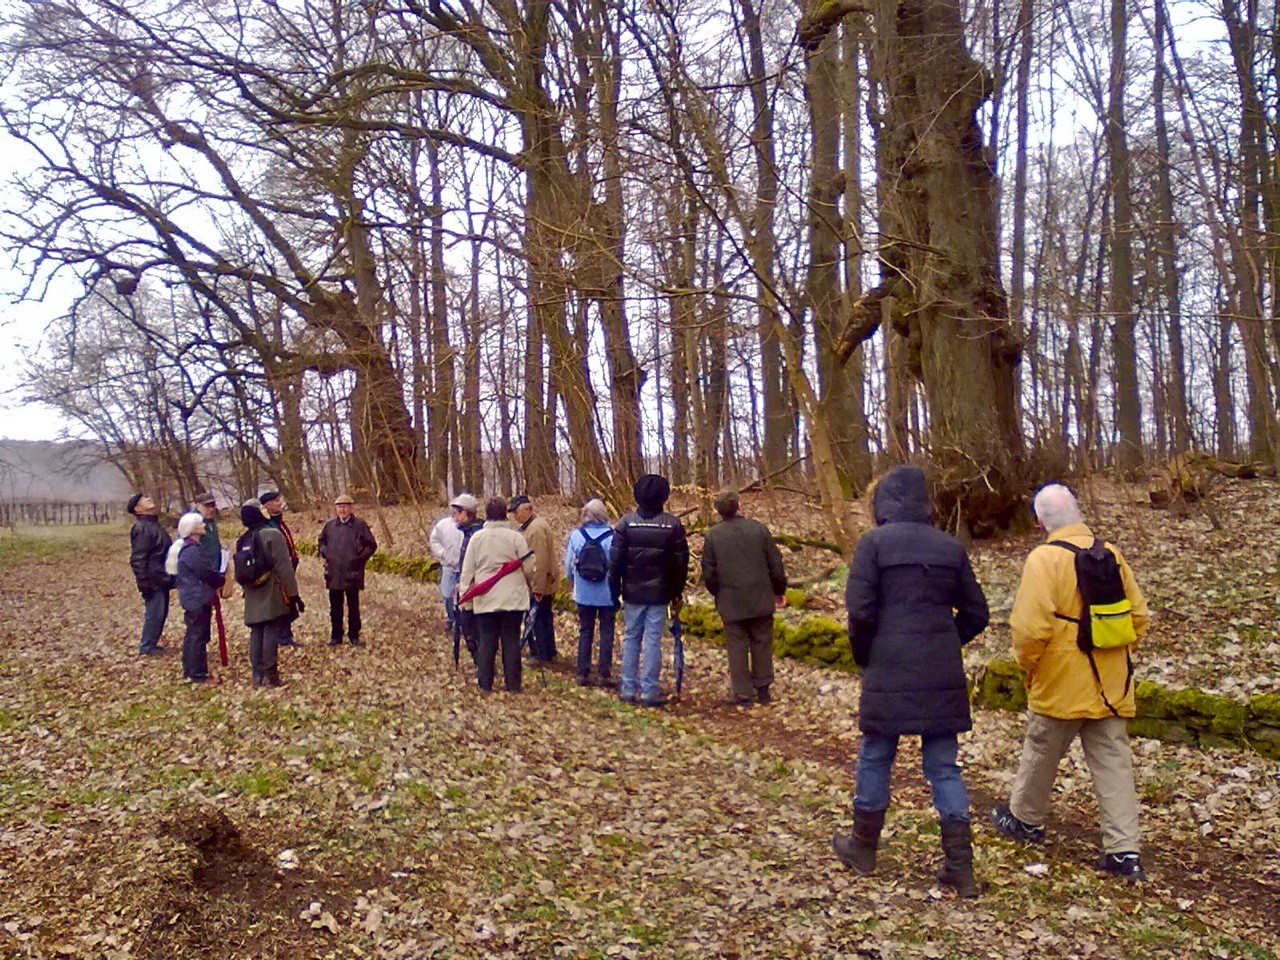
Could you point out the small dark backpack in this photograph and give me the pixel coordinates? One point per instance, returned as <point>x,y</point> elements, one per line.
<point>592,564</point>
<point>1106,616</point>
<point>252,565</point>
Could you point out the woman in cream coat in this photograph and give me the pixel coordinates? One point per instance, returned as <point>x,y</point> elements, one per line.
<point>499,611</point>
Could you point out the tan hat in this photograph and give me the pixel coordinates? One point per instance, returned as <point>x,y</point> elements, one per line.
<point>343,498</point>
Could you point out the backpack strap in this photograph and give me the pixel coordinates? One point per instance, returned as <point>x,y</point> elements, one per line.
<point>1093,664</point>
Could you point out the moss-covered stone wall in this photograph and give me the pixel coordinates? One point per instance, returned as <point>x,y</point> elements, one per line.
<point>1176,716</point>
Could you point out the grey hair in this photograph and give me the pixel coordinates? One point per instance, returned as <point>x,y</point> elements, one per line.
<point>1056,506</point>
<point>594,511</point>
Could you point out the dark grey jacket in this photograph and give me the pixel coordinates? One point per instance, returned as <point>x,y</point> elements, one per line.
<point>345,547</point>
<point>742,567</point>
<point>913,601</point>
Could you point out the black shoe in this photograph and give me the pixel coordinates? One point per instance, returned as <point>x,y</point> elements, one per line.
<point>1005,822</point>
<point>763,695</point>
<point>356,642</point>
<point>658,701</point>
<point>1125,865</point>
<point>739,702</point>
<point>335,641</point>
<point>151,652</point>
<point>627,697</point>
<point>584,681</point>
<point>288,642</point>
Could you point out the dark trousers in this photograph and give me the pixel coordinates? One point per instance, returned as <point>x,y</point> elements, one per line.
<point>335,614</point>
<point>750,645</point>
<point>467,629</point>
<point>588,618</point>
<point>156,613</point>
<point>502,627</point>
<point>195,643</point>
<point>264,638</point>
<point>543,644</point>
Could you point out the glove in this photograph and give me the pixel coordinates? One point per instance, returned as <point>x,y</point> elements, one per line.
<point>298,605</point>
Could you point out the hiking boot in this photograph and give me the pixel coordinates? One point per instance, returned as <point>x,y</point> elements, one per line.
<point>658,701</point>
<point>763,695</point>
<point>1124,865</point>
<point>335,641</point>
<point>627,697</point>
<point>1005,822</point>
<point>271,678</point>
<point>257,679</point>
<point>857,851</point>
<point>584,680</point>
<point>739,702</point>
<point>957,865</point>
<point>356,642</point>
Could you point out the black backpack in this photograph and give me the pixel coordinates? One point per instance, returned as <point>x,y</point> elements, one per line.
<point>252,565</point>
<point>592,564</point>
<point>1106,617</point>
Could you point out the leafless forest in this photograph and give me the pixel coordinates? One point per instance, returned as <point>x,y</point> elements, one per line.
<point>545,244</point>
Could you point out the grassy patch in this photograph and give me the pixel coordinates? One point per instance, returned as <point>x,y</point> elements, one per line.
<point>261,782</point>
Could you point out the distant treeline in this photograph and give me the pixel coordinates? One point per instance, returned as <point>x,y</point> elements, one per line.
<point>56,512</point>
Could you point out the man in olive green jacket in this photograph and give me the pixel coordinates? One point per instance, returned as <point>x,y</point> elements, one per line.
<point>273,604</point>
<point>742,567</point>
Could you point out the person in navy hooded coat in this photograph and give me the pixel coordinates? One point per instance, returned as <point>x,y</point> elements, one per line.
<point>913,602</point>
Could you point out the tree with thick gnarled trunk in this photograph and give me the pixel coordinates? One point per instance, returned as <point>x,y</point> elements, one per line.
<point>939,288</point>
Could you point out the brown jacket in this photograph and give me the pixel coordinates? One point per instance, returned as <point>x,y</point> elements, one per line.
<point>546,575</point>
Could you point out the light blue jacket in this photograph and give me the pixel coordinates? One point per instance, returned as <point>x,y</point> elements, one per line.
<point>586,593</point>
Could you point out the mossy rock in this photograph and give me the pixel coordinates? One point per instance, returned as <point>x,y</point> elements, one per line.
<point>1266,707</point>
<point>1000,686</point>
<point>1152,700</point>
<point>1206,712</point>
<point>1152,728</point>
<point>703,621</point>
<point>796,598</point>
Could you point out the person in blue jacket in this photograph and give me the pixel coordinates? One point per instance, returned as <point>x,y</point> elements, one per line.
<point>198,583</point>
<point>586,563</point>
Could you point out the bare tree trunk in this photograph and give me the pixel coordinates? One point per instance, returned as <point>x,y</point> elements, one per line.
<point>1124,315</point>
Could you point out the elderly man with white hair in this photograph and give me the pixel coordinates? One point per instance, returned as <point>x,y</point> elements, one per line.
<point>1066,696</point>
<point>586,561</point>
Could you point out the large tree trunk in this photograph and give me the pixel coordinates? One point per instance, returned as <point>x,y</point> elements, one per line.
<point>939,254</point>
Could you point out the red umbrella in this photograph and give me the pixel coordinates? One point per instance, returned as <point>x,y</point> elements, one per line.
<point>485,585</point>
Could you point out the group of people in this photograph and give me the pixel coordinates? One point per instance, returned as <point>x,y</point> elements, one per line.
<point>912,597</point>
<point>913,603</point>
<point>264,561</point>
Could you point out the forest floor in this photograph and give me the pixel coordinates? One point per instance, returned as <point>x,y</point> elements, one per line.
<point>379,806</point>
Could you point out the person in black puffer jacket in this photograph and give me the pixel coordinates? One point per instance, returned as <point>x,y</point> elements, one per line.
<point>913,602</point>
<point>648,567</point>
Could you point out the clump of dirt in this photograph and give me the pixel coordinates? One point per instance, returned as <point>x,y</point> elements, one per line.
<point>235,891</point>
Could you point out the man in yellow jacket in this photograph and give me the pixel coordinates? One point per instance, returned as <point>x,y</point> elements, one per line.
<point>1065,699</point>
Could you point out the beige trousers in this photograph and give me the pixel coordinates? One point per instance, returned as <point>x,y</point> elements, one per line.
<point>750,646</point>
<point>1106,751</point>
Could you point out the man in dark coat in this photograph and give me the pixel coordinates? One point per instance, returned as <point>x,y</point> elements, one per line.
<point>272,603</point>
<point>346,543</point>
<point>148,546</point>
<point>913,602</point>
<point>648,566</point>
<point>742,568</point>
<point>274,503</point>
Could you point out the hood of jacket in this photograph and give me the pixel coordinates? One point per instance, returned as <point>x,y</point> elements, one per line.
<point>651,492</point>
<point>902,496</point>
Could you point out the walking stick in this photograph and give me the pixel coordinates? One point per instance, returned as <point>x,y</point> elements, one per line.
<point>222,629</point>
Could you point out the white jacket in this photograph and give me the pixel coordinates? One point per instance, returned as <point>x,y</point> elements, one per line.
<point>446,543</point>
<point>488,550</point>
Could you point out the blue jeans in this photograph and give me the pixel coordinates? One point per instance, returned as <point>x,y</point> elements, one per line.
<point>642,642</point>
<point>448,588</point>
<point>938,756</point>
<point>157,611</point>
